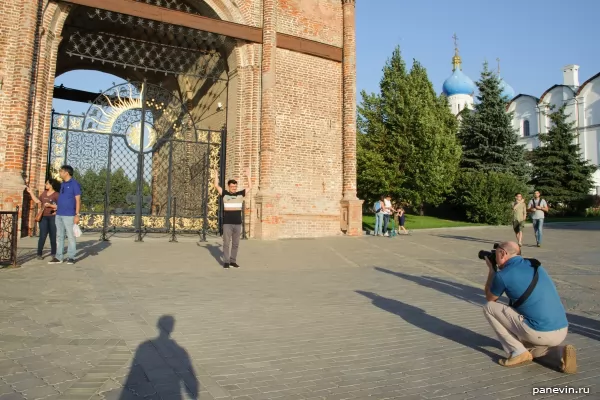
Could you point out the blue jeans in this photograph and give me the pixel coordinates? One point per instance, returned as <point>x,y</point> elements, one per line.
<point>386,221</point>
<point>378,223</point>
<point>64,224</point>
<point>47,228</point>
<point>538,224</point>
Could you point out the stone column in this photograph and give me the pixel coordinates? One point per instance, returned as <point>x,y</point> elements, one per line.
<point>351,206</point>
<point>18,26</point>
<point>266,199</point>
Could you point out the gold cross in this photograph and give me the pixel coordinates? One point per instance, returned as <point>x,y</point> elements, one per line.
<point>455,40</point>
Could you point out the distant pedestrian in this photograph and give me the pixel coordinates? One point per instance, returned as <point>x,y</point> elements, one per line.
<point>388,211</point>
<point>67,215</point>
<point>233,201</point>
<point>519,216</point>
<point>378,208</point>
<point>47,217</point>
<point>538,207</point>
<point>400,218</point>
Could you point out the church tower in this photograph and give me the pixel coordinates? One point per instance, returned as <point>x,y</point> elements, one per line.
<point>459,88</point>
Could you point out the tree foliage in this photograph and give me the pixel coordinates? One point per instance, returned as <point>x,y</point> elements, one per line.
<point>406,143</point>
<point>489,142</point>
<point>559,171</point>
<point>485,196</point>
<point>94,184</point>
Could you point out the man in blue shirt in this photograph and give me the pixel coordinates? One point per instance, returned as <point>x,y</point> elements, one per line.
<point>67,215</point>
<point>539,325</point>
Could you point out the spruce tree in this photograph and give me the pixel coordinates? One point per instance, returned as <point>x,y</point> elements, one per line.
<point>559,171</point>
<point>407,143</point>
<point>489,142</point>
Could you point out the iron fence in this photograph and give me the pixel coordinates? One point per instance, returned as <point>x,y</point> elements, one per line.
<point>8,237</point>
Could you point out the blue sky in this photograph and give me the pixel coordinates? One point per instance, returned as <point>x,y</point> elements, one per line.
<point>534,39</point>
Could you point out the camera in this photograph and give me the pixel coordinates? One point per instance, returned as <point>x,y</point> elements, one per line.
<point>491,255</point>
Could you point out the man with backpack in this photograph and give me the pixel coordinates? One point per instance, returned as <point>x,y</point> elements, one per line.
<point>378,209</point>
<point>537,207</point>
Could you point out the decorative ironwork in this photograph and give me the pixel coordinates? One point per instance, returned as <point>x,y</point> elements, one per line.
<point>134,152</point>
<point>148,56</point>
<point>8,237</point>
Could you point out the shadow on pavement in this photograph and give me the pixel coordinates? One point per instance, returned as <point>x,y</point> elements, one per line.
<point>214,250</point>
<point>419,318</point>
<point>467,238</point>
<point>577,324</point>
<point>161,368</point>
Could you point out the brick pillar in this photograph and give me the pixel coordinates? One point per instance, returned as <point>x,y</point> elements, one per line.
<point>266,199</point>
<point>351,206</point>
<point>18,26</point>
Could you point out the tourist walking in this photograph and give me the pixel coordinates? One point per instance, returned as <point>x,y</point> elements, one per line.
<point>67,215</point>
<point>538,207</point>
<point>233,201</point>
<point>46,216</point>
<point>519,216</point>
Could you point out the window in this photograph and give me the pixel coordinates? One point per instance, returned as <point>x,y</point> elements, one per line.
<point>458,105</point>
<point>526,127</point>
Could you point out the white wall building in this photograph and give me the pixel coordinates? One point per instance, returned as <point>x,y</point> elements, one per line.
<point>583,108</point>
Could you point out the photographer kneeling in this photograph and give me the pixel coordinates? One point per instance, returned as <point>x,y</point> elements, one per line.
<point>535,324</point>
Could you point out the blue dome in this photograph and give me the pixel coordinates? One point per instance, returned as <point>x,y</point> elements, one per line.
<point>507,90</point>
<point>458,83</point>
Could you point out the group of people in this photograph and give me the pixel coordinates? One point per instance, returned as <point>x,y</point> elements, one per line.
<point>537,209</point>
<point>60,204</point>
<point>384,210</point>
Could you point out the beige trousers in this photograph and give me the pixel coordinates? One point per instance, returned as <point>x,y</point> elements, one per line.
<point>515,335</point>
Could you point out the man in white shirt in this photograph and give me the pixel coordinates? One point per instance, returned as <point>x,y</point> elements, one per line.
<point>387,213</point>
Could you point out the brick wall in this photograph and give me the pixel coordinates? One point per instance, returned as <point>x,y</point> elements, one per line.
<point>307,161</point>
<point>309,142</point>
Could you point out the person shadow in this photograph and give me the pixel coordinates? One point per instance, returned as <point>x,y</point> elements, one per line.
<point>578,324</point>
<point>161,368</point>
<point>214,250</point>
<point>420,319</point>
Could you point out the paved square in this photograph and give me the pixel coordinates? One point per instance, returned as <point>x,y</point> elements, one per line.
<point>335,318</point>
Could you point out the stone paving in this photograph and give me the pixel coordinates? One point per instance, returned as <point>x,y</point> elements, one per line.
<point>335,318</point>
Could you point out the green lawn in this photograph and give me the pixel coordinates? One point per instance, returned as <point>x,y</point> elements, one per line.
<point>418,222</point>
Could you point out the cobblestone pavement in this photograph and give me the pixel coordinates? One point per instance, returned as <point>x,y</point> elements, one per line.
<point>335,318</point>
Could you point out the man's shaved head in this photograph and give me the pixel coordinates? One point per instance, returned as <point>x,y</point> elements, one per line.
<point>511,248</point>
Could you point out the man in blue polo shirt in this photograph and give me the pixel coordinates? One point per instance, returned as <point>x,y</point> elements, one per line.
<point>67,215</point>
<point>538,326</point>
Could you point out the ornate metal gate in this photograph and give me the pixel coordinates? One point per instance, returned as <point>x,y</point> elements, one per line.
<point>142,164</point>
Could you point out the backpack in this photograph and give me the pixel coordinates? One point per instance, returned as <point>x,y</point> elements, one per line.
<point>540,203</point>
<point>377,206</point>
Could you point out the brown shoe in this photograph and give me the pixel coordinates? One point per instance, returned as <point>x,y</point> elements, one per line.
<point>521,359</point>
<point>568,361</point>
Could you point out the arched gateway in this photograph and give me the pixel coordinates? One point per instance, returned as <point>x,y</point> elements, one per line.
<point>211,84</point>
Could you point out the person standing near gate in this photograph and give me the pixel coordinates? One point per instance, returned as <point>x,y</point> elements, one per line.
<point>233,201</point>
<point>46,218</point>
<point>67,215</point>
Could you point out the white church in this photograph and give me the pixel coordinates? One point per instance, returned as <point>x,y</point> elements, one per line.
<point>583,105</point>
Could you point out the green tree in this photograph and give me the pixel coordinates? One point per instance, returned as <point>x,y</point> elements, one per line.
<point>485,196</point>
<point>407,143</point>
<point>559,171</point>
<point>489,142</point>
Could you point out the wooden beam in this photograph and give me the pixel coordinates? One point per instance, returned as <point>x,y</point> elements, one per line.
<point>311,47</point>
<point>193,21</point>
<point>237,31</point>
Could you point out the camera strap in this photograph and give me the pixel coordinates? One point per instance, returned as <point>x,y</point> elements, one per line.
<point>535,264</point>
